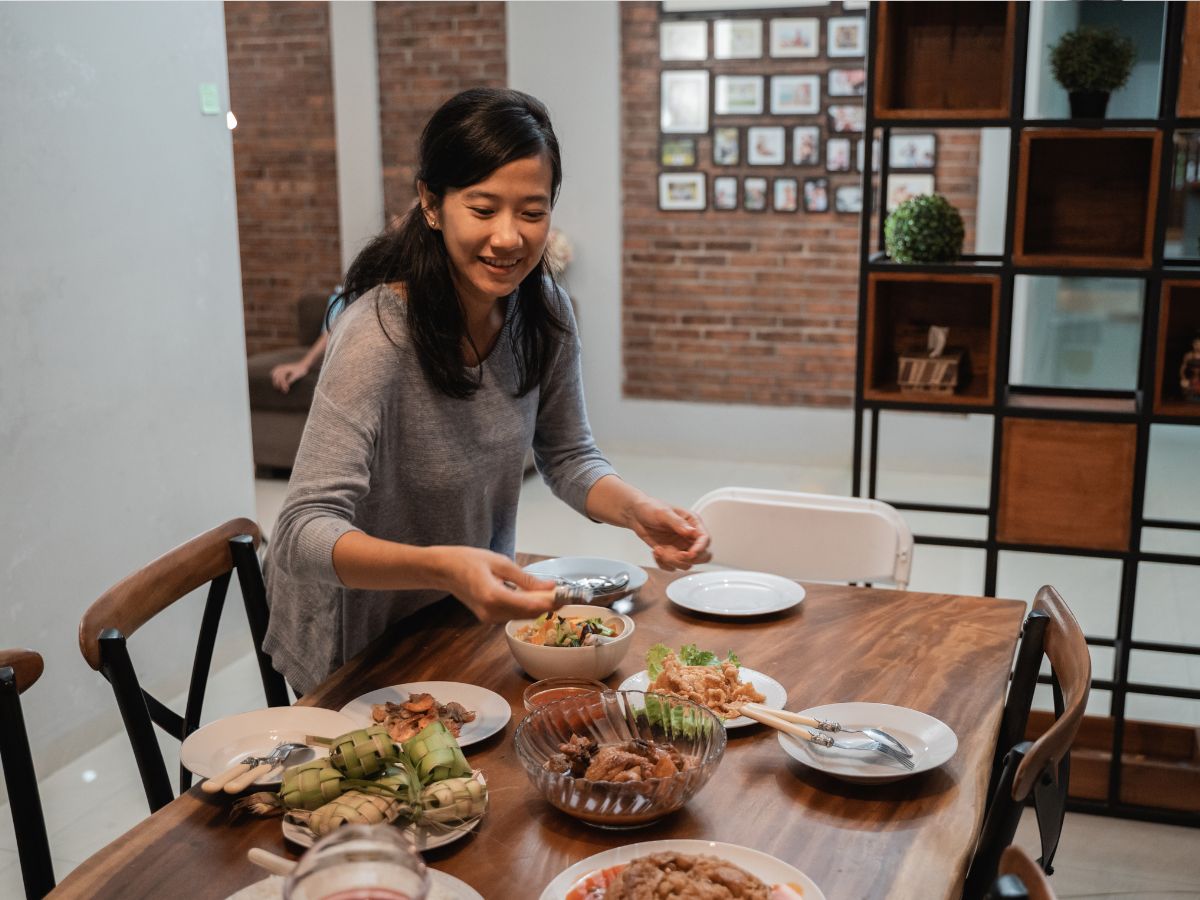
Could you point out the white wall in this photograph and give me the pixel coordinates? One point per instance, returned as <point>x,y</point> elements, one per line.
<point>124,417</point>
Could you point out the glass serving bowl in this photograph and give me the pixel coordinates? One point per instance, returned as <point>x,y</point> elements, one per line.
<point>614,717</point>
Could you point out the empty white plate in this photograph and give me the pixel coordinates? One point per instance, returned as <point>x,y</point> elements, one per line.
<point>775,693</point>
<point>492,711</point>
<point>735,593</point>
<point>583,566</point>
<point>931,741</point>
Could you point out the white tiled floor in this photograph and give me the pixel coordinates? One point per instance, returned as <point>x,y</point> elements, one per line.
<point>92,802</point>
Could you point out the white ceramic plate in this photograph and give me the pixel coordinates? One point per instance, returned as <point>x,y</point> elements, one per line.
<point>423,838</point>
<point>735,593</point>
<point>768,868</point>
<point>211,750</point>
<point>583,566</point>
<point>766,685</point>
<point>931,741</point>
<point>492,711</point>
<point>442,887</point>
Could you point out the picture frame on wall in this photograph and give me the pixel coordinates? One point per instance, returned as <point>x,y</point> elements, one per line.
<point>785,195</point>
<point>847,198</point>
<point>845,118</point>
<point>682,191</point>
<point>847,82</point>
<point>677,151</point>
<point>683,101</point>
<point>737,39</point>
<point>904,187</point>
<point>725,192</point>
<point>816,195</point>
<point>683,41</point>
<point>754,194</point>
<point>726,146</point>
<point>837,155</point>
<point>795,95</point>
<point>765,145</point>
<point>795,38</point>
<point>806,145</point>
<point>912,151</point>
<point>846,36</point>
<point>738,95</point>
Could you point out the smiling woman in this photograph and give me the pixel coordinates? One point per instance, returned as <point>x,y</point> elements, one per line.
<point>455,354</point>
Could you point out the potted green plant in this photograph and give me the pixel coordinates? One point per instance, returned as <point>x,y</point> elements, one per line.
<point>925,228</point>
<point>1091,63</point>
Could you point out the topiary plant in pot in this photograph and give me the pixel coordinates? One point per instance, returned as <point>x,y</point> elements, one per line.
<point>924,229</point>
<point>1091,63</point>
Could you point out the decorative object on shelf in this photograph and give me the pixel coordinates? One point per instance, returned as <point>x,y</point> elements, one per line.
<point>1091,63</point>
<point>924,229</point>
<point>1189,372</point>
<point>936,371</point>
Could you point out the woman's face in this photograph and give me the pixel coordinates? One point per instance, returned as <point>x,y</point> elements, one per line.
<point>496,230</point>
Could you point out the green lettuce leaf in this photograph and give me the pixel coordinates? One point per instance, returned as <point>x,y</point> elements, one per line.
<point>654,660</point>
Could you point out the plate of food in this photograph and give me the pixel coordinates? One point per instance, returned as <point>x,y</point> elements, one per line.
<point>596,571</point>
<point>703,866</point>
<point>470,713</point>
<point>931,741</point>
<point>703,677</point>
<point>736,594</point>
<point>441,887</point>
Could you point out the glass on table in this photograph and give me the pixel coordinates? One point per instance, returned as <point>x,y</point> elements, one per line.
<point>360,862</point>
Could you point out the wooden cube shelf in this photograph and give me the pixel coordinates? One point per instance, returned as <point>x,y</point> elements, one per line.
<point>944,60</point>
<point>1066,484</point>
<point>1178,325</point>
<point>1086,198</point>
<point>900,309</point>
<point>1188,103</point>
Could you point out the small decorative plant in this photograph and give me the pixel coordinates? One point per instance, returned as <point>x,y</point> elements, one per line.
<point>925,228</point>
<point>1091,63</point>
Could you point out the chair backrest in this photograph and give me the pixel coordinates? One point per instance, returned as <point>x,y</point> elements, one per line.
<point>1020,878</point>
<point>19,669</point>
<point>814,537</point>
<point>1041,768</point>
<point>124,608</point>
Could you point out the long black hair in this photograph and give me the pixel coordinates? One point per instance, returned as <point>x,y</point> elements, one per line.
<point>471,136</point>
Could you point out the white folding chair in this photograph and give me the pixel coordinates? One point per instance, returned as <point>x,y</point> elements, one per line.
<point>814,537</point>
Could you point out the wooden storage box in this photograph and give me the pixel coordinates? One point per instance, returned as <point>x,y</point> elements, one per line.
<point>1178,324</point>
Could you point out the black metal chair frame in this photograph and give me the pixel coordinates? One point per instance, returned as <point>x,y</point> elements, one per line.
<point>33,846</point>
<point>141,711</point>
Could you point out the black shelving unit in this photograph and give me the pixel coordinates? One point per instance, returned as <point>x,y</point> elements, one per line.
<point>1129,408</point>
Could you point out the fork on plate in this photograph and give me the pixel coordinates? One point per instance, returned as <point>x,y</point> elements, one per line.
<point>875,734</point>
<point>770,717</point>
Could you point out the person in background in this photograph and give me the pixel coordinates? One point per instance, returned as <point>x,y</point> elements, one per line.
<point>456,352</point>
<point>284,375</point>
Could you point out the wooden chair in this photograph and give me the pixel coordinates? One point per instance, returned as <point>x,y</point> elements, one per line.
<point>1040,769</point>
<point>20,669</point>
<point>131,603</point>
<point>817,537</point>
<point>1020,878</point>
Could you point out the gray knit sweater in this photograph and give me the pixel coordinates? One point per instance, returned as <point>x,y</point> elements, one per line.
<point>385,453</point>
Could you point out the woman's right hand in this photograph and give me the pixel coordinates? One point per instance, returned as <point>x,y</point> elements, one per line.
<point>284,375</point>
<point>477,578</point>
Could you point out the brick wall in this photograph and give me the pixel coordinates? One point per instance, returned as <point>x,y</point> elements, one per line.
<point>735,306</point>
<point>284,153</point>
<point>428,52</point>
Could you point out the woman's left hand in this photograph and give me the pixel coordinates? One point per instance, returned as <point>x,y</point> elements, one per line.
<point>677,536</point>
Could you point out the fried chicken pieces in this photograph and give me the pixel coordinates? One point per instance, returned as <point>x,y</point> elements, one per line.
<point>717,687</point>
<point>406,720</point>
<point>635,760</point>
<point>682,876</point>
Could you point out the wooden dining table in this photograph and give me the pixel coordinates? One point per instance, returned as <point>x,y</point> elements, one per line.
<point>945,655</point>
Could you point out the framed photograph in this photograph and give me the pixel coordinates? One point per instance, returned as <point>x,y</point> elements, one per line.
<point>683,101</point>
<point>847,36</point>
<point>683,40</point>
<point>795,37</point>
<point>754,194</point>
<point>678,151</point>
<point>738,95</point>
<point>837,155</point>
<point>816,195</point>
<point>806,145</point>
<point>846,118</point>
<point>904,187</point>
<point>726,147</point>
<point>848,198</point>
<point>912,151</point>
<point>682,190</point>
<point>786,195</point>
<point>725,192</point>
<point>764,145</point>
<point>737,39</point>
<point>847,82</point>
<point>793,95</point>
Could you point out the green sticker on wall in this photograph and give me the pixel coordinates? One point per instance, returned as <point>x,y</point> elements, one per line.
<point>210,101</point>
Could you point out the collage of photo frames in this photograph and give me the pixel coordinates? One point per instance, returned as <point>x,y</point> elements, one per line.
<point>818,117</point>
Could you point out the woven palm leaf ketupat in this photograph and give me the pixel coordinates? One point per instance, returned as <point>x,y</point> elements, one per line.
<point>436,754</point>
<point>310,785</point>
<point>363,753</point>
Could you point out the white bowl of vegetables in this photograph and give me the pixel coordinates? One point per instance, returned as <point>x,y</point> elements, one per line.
<point>579,640</point>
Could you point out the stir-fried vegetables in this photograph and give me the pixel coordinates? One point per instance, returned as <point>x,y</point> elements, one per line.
<point>553,630</point>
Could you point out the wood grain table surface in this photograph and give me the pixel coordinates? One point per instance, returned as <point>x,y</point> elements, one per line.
<point>945,655</point>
